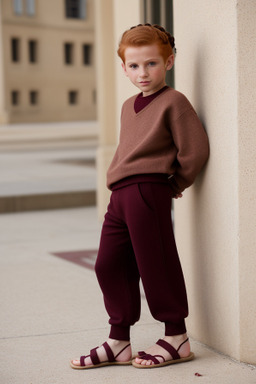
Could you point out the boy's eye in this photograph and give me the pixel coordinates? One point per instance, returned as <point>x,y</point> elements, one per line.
<point>152,63</point>
<point>133,66</point>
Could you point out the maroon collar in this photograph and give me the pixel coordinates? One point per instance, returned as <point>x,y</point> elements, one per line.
<point>141,102</point>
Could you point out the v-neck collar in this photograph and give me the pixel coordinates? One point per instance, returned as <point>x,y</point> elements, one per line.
<point>150,103</point>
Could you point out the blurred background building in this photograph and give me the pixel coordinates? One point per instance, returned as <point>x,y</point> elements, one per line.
<point>47,61</point>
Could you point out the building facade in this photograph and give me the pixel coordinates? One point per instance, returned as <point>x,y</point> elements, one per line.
<point>47,64</point>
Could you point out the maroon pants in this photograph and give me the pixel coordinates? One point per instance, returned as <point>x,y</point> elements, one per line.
<point>137,241</point>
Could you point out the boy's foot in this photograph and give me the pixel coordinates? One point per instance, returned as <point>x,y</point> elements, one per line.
<point>170,350</point>
<point>113,352</point>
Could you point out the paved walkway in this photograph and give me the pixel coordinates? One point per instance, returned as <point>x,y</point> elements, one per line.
<point>52,309</point>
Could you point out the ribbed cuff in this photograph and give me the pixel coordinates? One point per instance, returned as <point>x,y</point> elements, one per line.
<point>119,333</point>
<point>172,329</point>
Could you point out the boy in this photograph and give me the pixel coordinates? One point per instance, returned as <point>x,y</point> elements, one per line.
<point>162,148</point>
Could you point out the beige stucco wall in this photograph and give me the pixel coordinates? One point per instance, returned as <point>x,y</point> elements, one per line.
<point>246,11</point>
<point>50,76</point>
<point>215,220</point>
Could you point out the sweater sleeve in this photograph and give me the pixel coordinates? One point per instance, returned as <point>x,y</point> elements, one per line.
<point>192,147</point>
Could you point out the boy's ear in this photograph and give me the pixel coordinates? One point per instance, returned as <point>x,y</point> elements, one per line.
<point>169,62</point>
<point>124,68</point>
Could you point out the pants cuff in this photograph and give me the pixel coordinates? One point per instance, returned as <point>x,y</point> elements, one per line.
<point>172,329</point>
<point>119,333</point>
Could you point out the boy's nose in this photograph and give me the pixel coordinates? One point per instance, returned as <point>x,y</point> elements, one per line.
<point>143,72</point>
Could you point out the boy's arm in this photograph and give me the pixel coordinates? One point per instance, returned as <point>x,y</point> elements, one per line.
<point>192,146</point>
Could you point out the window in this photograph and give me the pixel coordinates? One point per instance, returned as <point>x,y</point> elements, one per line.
<point>33,97</point>
<point>73,97</point>
<point>15,49</point>
<point>30,7</point>
<point>87,54</point>
<point>15,98</point>
<point>94,96</point>
<point>68,53</point>
<point>18,7</point>
<point>29,4</point>
<point>76,9</point>
<point>32,51</point>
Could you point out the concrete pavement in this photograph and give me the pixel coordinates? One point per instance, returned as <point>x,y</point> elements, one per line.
<point>52,309</point>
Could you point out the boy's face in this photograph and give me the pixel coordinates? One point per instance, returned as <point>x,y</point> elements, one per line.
<point>146,68</point>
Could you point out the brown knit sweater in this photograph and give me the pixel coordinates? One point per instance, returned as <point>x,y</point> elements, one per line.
<point>165,137</point>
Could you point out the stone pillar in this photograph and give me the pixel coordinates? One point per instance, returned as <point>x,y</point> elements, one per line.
<point>215,220</point>
<point>113,17</point>
<point>106,95</point>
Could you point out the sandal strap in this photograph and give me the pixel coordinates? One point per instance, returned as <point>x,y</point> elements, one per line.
<point>169,348</point>
<point>82,359</point>
<point>182,344</point>
<point>147,356</point>
<point>119,353</point>
<point>94,356</point>
<point>160,356</point>
<point>109,352</point>
<point>141,353</point>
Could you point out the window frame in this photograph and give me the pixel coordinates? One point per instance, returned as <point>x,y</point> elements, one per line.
<point>73,97</point>
<point>33,97</point>
<point>76,11</point>
<point>69,49</point>
<point>18,7</point>
<point>87,54</point>
<point>30,7</point>
<point>15,49</point>
<point>15,98</point>
<point>33,51</point>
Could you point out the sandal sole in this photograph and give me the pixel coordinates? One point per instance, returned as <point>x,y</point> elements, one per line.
<point>105,364</point>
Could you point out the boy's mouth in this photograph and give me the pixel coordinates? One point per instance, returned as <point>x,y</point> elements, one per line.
<point>144,82</point>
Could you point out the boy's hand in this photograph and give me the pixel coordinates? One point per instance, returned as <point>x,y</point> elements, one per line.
<point>178,195</point>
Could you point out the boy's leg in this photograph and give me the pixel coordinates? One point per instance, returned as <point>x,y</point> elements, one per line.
<point>117,273</point>
<point>150,226</point>
<point>118,276</point>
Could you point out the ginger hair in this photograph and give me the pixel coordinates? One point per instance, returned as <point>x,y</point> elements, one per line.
<point>147,34</point>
